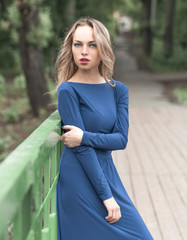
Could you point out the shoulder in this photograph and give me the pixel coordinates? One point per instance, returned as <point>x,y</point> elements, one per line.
<point>65,90</point>
<point>64,86</point>
<point>121,89</point>
<point>120,86</point>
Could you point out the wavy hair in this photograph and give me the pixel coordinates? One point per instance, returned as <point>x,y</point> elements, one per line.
<point>65,66</point>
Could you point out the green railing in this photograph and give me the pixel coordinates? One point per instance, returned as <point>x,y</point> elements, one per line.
<point>28,178</point>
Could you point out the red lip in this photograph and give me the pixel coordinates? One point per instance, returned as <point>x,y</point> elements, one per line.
<point>84,59</point>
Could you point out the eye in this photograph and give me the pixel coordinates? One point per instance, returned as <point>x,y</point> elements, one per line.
<point>93,45</point>
<point>77,44</point>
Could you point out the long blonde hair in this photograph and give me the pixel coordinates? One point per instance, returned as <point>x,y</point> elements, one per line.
<point>65,65</point>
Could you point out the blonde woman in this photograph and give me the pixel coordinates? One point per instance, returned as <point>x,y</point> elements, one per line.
<point>92,203</point>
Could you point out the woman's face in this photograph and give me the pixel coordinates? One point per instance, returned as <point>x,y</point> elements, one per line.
<point>84,48</point>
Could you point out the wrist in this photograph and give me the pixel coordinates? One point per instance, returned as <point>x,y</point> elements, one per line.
<point>84,140</point>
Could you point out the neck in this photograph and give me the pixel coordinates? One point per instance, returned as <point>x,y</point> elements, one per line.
<point>90,75</point>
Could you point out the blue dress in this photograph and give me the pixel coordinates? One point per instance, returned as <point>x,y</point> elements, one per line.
<point>87,174</point>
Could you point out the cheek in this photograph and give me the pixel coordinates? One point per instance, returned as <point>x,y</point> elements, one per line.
<point>98,57</point>
<point>96,54</point>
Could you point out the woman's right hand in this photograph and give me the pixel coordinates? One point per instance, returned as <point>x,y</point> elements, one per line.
<point>114,213</point>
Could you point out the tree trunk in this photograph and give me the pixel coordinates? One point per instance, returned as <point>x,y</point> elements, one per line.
<point>64,17</point>
<point>32,59</point>
<point>147,31</point>
<point>70,12</point>
<point>2,4</point>
<point>168,35</point>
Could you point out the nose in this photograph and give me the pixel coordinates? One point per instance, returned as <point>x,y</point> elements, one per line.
<point>84,50</point>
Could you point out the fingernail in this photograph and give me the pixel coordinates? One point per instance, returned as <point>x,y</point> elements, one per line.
<point>62,126</point>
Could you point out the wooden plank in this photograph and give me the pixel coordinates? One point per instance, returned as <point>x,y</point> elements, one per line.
<point>165,146</point>
<point>180,182</point>
<point>145,156</point>
<point>169,229</point>
<point>178,209</point>
<point>124,172</point>
<point>156,176</point>
<point>177,162</point>
<point>134,164</point>
<point>145,206</point>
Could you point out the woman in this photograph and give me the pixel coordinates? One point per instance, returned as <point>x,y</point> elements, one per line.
<point>92,203</point>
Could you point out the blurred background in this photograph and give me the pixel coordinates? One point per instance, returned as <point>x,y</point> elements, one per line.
<point>148,37</point>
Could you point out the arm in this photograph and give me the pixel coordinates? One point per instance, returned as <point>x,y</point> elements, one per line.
<point>68,107</point>
<point>119,137</point>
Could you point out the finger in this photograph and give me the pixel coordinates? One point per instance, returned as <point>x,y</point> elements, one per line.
<point>118,216</point>
<point>112,221</point>
<point>119,213</point>
<point>114,215</point>
<point>68,127</point>
<point>61,138</point>
<point>109,217</point>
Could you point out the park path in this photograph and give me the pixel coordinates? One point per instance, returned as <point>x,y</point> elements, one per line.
<point>153,167</point>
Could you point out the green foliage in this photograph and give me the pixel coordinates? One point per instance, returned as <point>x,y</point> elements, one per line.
<point>103,13</point>
<point>9,53</point>
<point>180,29</point>
<point>2,85</point>
<point>14,36</point>
<point>159,27</point>
<point>177,62</point>
<point>138,38</point>
<point>13,15</point>
<point>9,38</point>
<point>2,145</point>
<point>20,82</point>
<point>5,143</point>
<point>160,63</point>
<point>11,115</point>
<point>60,18</point>
<point>181,94</point>
<point>131,8</point>
<point>41,34</point>
<point>34,2</point>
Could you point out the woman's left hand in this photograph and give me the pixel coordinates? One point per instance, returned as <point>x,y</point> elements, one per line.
<point>73,137</point>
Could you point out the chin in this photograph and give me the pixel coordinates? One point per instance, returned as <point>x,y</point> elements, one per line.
<point>85,67</point>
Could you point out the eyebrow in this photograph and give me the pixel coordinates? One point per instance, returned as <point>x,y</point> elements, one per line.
<point>89,41</point>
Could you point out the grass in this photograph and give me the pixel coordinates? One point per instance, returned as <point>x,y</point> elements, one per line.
<point>16,119</point>
<point>158,62</point>
<point>181,94</point>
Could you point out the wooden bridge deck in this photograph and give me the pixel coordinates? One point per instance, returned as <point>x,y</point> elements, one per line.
<point>153,169</point>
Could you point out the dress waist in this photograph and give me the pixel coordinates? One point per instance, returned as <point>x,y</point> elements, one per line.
<point>99,152</point>
<point>103,153</point>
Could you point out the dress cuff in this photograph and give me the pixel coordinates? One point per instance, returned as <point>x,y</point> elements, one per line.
<point>85,138</point>
<point>106,196</point>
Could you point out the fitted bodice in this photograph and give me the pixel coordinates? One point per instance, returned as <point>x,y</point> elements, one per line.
<point>97,105</point>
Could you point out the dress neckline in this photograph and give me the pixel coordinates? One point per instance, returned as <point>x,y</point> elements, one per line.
<point>89,83</point>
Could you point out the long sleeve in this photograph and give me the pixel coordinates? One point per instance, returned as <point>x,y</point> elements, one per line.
<point>68,107</point>
<point>119,137</point>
